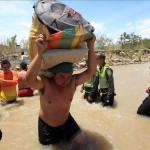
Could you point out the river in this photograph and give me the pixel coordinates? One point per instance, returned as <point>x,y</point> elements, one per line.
<point>117,128</point>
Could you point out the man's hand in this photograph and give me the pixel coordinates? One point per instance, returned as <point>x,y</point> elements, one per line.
<point>90,99</point>
<point>41,43</point>
<point>2,80</point>
<point>90,42</point>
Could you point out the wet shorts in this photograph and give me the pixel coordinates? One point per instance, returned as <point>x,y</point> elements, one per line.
<point>25,92</point>
<point>50,135</point>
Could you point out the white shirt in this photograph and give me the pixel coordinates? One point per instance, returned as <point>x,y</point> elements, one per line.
<point>24,59</point>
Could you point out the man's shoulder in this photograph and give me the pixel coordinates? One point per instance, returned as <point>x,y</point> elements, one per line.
<point>1,73</point>
<point>20,73</point>
<point>107,65</point>
<point>13,71</point>
<point>75,78</point>
<point>109,71</point>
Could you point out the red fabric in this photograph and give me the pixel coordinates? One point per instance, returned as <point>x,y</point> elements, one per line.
<point>25,92</point>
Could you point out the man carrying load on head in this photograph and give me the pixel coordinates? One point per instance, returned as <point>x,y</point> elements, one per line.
<point>56,93</point>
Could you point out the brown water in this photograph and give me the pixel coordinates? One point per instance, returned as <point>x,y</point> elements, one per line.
<point>118,128</point>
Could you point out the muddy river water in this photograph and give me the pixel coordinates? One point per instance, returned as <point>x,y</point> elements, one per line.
<point>117,128</point>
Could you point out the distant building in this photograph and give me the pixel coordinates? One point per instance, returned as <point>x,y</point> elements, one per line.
<point>18,49</point>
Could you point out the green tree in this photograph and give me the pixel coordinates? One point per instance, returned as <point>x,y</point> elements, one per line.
<point>145,43</point>
<point>129,41</point>
<point>11,42</point>
<point>103,42</point>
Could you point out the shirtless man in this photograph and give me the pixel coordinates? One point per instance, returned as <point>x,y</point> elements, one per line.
<point>56,94</point>
<point>24,90</point>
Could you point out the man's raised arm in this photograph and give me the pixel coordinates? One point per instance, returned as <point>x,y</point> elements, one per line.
<point>91,64</point>
<point>35,65</point>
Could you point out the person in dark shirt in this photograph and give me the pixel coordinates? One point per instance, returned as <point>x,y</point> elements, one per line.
<point>144,108</point>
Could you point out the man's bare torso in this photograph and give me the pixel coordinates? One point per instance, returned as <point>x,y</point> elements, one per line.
<point>22,84</point>
<point>55,102</point>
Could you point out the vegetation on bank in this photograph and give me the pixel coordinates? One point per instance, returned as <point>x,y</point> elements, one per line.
<point>125,41</point>
<point>130,48</point>
<point>126,44</point>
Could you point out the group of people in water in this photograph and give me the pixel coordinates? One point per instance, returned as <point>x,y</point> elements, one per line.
<point>101,84</point>
<point>55,122</point>
<point>12,83</point>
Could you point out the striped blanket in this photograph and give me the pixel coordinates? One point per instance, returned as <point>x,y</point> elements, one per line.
<point>67,39</point>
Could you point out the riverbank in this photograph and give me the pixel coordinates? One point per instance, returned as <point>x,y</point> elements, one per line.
<point>113,58</point>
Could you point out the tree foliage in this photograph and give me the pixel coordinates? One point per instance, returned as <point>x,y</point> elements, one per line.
<point>129,41</point>
<point>11,43</point>
<point>145,43</point>
<point>103,42</point>
<point>9,46</point>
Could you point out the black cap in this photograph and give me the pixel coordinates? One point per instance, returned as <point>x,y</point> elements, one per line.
<point>99,56</point>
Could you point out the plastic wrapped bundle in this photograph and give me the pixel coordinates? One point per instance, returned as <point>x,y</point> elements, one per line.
<point>65,30</point>
<point>67,39</point>
<point>58,16</point>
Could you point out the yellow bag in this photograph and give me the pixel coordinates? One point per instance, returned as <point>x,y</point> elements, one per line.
<point>36,29</point>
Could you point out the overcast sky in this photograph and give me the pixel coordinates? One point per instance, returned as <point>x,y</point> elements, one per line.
<point>109,17</point>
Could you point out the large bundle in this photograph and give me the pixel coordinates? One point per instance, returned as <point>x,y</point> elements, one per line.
<point>54,57</point>
<point>57,16</point>
<point>67,39</point>
<point>36,29</point>
<point>65,30</point>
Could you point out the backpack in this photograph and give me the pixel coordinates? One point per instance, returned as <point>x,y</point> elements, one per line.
<point>58,17</point>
